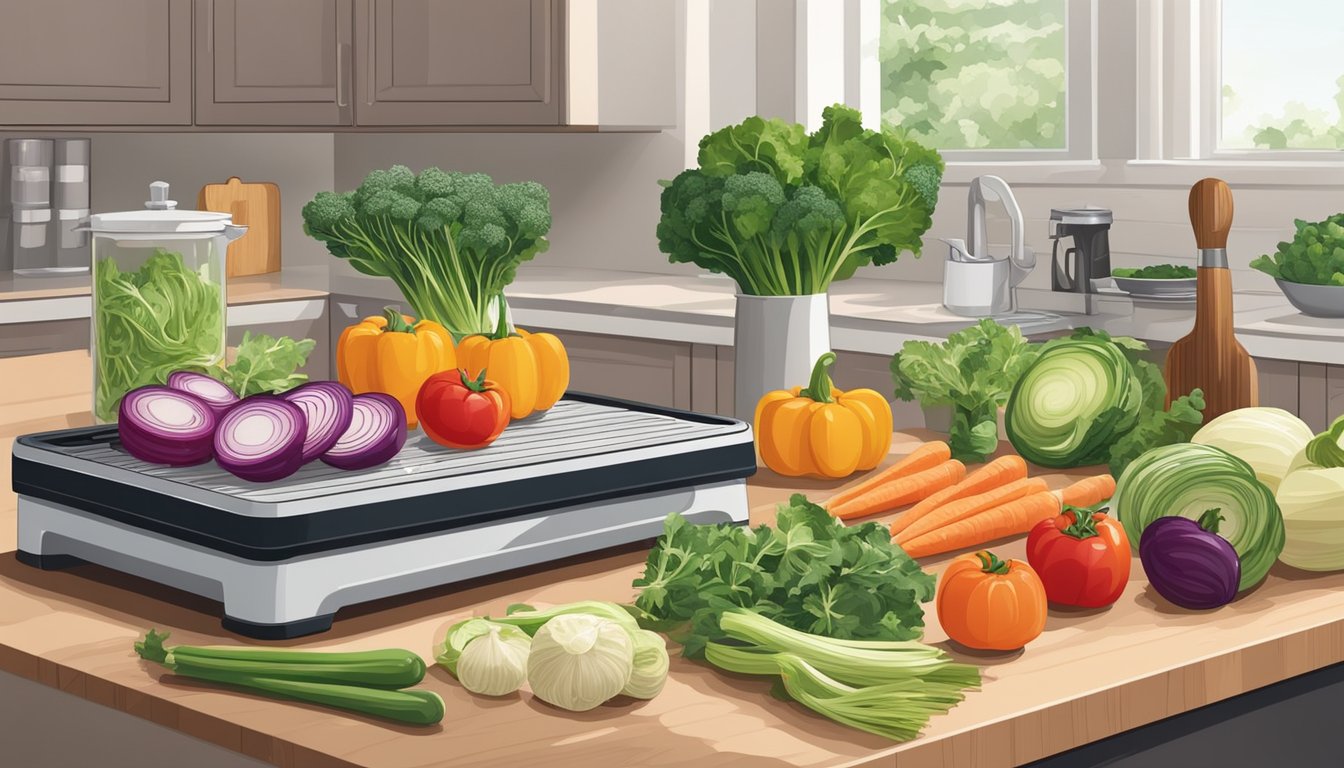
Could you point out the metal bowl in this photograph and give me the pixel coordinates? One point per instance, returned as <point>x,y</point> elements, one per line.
<point>1140,286</point>
<point>1314,300</point>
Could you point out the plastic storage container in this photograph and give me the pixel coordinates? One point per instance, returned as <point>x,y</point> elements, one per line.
<point>158,295</point>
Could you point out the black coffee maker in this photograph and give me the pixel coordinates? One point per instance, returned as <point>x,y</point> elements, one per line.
<point>1089,258</point>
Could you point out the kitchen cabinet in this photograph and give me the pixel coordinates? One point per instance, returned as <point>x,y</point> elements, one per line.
<point>91,62</point>
<point>458,62</point>
<point>1322,394</point>
<point>267,63</point>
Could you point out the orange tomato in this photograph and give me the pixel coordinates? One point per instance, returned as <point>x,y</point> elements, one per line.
<point>991,604</point>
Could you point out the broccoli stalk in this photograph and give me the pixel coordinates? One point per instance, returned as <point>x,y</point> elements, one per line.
<point>450,241</point>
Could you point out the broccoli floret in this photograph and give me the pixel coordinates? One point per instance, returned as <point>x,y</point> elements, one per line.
<point>808,211</point>
<point>752,199</point>
<point>452,241</point>
<point>926,180</point>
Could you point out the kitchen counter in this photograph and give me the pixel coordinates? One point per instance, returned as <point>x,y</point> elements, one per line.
<point>1092,674</point>
<point>867,315</point>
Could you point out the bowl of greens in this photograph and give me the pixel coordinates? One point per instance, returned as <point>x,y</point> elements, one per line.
<point>1309,269</point>
<point>1157,280</point>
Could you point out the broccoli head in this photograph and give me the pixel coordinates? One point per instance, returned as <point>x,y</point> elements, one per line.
<point>452,241</point>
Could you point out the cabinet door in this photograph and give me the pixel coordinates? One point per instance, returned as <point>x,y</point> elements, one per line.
<point>260,62</point>
<point>457,62</point>
<point>92,62</point>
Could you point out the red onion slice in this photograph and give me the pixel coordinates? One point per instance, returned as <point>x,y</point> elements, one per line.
<point>161,425</point>
<point>377,432</point>
<point>212,391</point>
<point>328,406</point>
<point>261,439</point>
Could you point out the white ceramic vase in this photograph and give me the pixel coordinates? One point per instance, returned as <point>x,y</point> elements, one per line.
<point>776,341</point>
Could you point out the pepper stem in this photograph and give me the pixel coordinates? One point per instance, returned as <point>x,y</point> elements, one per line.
<point>502,330</point>
<point>1210,519</point>
<point>819,387</point>
<point>395,322</point>
<point>475,385</point>
<point>990,563</point>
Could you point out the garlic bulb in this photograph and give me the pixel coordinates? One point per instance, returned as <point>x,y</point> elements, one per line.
<point>495,663</point>
<point>650,665</point>
<point>579,661</point>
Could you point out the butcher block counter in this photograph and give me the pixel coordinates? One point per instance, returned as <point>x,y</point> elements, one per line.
<point>1092,674</point>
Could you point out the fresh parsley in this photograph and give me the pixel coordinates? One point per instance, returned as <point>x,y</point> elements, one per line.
<point>266,364</point>
<point>810,572</point>
<point>1156,272</point>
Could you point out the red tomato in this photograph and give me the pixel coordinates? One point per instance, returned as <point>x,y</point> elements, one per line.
<point>1082,564</point>
<point>460,412</point>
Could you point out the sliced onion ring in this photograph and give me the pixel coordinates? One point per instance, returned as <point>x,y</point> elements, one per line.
<point>162,425</point>
<point>377,432</point>
<point>210,390</point>
<point>261,439</point>
<point>329,407</point>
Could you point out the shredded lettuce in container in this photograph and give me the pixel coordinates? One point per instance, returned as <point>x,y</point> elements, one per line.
<point>160,318</point>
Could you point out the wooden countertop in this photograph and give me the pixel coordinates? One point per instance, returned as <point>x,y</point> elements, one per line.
<point>1091,675</point>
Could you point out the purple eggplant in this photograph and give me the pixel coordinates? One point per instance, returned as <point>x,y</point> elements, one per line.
<point>1188,563</point>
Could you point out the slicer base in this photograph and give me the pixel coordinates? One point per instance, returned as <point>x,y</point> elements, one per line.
<point>300,596</point>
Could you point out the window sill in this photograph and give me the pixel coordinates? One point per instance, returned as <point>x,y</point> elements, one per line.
<point>1152,173</point>
<point>1026,171</point>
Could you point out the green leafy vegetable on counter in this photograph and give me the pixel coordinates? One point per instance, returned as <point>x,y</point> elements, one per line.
<point>365,682</point>
<point>150,322</point>
<point>784,212</point>
<point>1315,255</point>
<point>973,372</point>
<point>265,364</point>
<point>1094,398</point>
<point>810,572</point>
<point>1156,272</point>
<point>450,241</point>
<point>831,611</point>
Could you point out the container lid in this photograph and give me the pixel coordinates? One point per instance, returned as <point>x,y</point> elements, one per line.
<point>160,216</point>
<point>1081,215</point>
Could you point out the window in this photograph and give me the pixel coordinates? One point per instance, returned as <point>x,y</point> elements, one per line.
<point>989,79</point>
<point>1241,79</point>
<point>1282,74</point>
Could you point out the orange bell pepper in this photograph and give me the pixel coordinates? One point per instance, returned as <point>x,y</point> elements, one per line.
<point>532,367</point>
<point>820,430</point>
<point>393,354</point>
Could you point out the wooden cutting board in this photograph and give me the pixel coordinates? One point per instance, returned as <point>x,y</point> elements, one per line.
<point>258,207</point>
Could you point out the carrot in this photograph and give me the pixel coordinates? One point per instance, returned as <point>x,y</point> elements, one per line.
<point>1000,471</point>
<point>902,491</point>
<point>926,456</point>
<point>1011,519</point>
<point>961,509</point>
<point>1088,491</point>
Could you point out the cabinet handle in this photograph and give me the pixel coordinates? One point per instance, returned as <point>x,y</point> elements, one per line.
<point>340,76</point>
<point>371,85</point>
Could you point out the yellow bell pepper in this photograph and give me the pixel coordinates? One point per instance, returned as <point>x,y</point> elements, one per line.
<point>393,354</point>
<point>822,431</point>
<point>532,367</point>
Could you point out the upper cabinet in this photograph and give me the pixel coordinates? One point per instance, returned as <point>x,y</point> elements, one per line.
<point>91,62</point>
<point>458,62</point>
<point>260,62</point>
<point>338,64</point>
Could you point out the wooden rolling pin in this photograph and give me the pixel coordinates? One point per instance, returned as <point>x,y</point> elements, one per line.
<point>1210,357</point>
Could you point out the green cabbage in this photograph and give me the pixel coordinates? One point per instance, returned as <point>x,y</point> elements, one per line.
<point>1186,479</point>
<point>1265,438</point>
<point>1079,397</point>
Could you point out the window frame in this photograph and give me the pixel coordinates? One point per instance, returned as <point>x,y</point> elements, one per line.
<point>864,86</point>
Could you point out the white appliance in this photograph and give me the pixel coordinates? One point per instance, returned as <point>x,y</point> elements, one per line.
<point>976,282</point>
<point>283,557</point>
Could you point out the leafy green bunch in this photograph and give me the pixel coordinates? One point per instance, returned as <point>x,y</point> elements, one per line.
<point>786,213</point>
<point>1315,255</point>
<point>1156,272</point>
<point>974,372</point>
<point>450,241</point>
<point>810,572</point>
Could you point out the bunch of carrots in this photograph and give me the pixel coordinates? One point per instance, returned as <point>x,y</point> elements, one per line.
<point>953,510</point>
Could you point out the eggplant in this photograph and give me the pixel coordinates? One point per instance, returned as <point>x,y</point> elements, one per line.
<point>1188,563</point>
